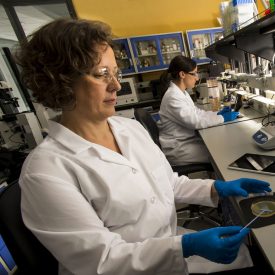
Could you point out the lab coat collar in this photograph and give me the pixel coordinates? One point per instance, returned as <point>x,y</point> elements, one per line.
<point>176,88</point>
<point>123,139</point>
<point>77,144</point>
<point>68,138</point>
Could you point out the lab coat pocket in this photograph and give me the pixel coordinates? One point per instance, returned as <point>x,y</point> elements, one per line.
<point>163,184</point>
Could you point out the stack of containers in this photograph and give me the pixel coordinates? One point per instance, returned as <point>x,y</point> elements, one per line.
<point>243,13</point>
<point>225,15</point>
<point>236,14</point>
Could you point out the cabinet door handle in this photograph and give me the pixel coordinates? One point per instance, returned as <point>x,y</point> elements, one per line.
<point>131,62</point>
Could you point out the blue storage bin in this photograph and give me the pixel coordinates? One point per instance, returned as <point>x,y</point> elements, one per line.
<point>3,271</point>
<point>2,244</point>
<point>6,258</point>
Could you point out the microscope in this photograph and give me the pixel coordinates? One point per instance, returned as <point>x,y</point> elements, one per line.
<point>19,133</point>
<point>17,130</point>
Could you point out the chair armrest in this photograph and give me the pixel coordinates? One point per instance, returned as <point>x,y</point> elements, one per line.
<point>192,168</point>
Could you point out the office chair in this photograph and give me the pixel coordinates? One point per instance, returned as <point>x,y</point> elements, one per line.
<point>150,125</point>
<point>30,256</point>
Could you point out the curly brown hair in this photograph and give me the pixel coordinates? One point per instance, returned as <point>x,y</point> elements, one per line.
<point>57,55</point>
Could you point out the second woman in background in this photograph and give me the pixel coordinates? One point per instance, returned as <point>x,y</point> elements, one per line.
<point>179,117</point>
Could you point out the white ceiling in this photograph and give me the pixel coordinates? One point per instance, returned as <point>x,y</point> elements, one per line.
<point>6,30</point>
<point>31,18</point>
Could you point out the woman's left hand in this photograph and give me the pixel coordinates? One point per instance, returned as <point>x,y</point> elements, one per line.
<point>241,187</point>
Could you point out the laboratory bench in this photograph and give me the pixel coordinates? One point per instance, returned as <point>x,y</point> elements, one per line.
<point>227,143</point>
<point>246,114</point>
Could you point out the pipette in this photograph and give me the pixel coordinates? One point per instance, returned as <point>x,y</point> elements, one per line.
<point>253,220</point>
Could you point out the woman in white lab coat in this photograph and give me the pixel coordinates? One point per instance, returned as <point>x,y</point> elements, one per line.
<point>180,118</point>
<point>97,192</point>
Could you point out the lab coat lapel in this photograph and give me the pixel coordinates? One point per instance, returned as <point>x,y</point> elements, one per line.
<point>124,143</point>
<point>108,155</point>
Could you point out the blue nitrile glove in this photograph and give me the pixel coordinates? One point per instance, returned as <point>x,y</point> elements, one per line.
<point>229,116</point>
<point>241,187</point>
<point>219,244</point>
<point>225,109</point>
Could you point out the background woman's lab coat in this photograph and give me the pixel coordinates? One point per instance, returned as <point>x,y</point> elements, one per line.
<point>179,118</point>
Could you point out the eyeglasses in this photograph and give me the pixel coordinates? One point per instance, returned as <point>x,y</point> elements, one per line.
<point>106,76</point>
<point>194,74</point>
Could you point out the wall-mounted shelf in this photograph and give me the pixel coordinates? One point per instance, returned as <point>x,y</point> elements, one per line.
<point>256,38</point>
<point>225,49</point>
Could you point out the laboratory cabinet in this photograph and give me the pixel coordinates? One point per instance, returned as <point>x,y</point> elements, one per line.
<point>154,52</point>
<point>199,39</point>
<point>148,53</point>
<point>123,55</point>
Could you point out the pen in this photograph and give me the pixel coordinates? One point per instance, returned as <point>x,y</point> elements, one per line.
<point>253,220</point>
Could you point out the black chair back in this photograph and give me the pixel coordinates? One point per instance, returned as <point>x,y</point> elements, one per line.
<point>148,123</point>
<point>30,256</point>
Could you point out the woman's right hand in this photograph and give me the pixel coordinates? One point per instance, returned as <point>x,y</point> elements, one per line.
<point>225,109</point>
<point>229,116</point>
<point>219,244</point>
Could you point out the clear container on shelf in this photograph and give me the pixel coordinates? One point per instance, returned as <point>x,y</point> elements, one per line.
<point>170,47</point>
<point>123,59</point>
<point>200,41</point>
<point>214,94</point>
<point>214,99</point>
<point>147,53</point>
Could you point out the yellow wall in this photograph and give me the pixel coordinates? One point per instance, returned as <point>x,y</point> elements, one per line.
<point>139,17</point>
<point>260,6</point>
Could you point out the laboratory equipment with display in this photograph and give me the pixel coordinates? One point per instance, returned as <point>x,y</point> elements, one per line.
<point>265,137</point>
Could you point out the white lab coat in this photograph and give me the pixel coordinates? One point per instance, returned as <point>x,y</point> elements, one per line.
<point>100,212</point>
<point>179,120</point>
